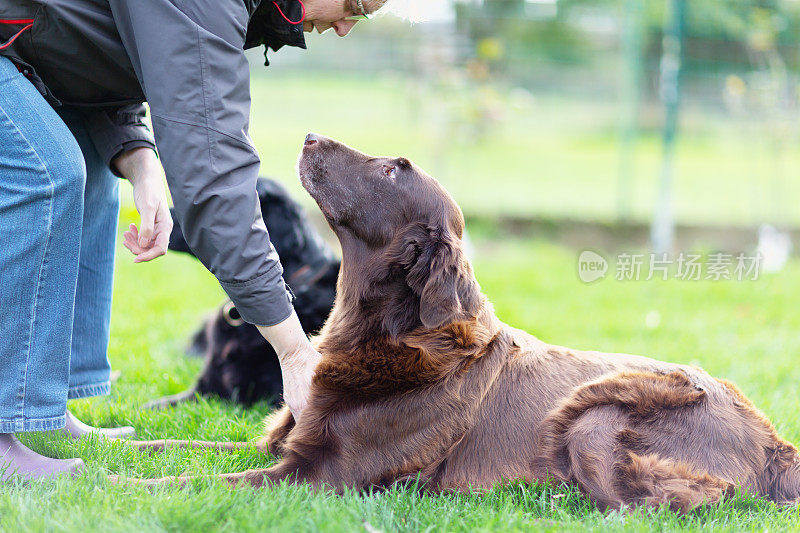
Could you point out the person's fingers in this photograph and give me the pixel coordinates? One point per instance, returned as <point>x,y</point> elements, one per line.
<point>162,237</point>
<point>134,249</point>
<point>130,243</point>
<point>132,235</point>
<point>144,247</point>
<point>159,246</point>
<point>148,216</point>
<point>135,233</point>
<point>149,255</point>
<point>129,246</point>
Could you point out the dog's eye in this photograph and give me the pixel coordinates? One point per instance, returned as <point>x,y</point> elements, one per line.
<point>389,171</point>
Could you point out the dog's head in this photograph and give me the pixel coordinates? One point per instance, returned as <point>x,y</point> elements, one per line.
<point>240,365</point>
<point>400,231</point>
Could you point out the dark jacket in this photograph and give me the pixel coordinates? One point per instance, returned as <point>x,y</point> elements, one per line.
<point>186,59</point>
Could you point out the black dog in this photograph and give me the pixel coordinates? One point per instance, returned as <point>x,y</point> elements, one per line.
<point>239,364</point>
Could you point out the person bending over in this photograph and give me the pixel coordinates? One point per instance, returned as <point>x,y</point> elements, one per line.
<point>73,77</point>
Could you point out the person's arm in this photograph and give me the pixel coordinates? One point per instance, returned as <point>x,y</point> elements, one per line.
<point>124,141</point>
<point>120,130</point>
<point>298,360</point>
<point>140,166</point>
<point>192,68</point>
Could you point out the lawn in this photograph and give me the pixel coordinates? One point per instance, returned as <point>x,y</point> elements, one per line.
<point>744,331</point>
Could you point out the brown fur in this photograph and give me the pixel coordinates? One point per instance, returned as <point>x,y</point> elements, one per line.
<point>420,379</point>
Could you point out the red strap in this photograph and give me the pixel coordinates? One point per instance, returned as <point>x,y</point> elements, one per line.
<point>14,38</point>
<point>19,21</point>
<point>287,18</point>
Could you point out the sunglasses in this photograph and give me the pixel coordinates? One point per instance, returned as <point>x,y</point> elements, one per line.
<point>363,16</point>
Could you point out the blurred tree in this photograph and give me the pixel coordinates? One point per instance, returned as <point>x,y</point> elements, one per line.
<point>525,31</point>
<point>719,33</point>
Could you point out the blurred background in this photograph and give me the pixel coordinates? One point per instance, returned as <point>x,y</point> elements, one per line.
<point>615,118</point>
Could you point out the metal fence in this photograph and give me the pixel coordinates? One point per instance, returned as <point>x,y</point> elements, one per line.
<point>664,71</point>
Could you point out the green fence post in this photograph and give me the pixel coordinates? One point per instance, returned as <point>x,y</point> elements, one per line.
<point>632,39</point>
<point>663,228</point>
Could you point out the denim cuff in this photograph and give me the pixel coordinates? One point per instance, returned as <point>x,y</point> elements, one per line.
<point>18,425</point>
<point>87,391</point>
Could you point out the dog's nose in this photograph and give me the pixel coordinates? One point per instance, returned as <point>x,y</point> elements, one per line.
<point>311,138</point>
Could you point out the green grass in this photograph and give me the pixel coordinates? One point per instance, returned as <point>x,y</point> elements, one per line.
<point>745,331</point>
<point>545,155</point>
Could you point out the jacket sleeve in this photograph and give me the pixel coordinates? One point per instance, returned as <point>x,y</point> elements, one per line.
<point>118,130</point>
<point>189,58</point>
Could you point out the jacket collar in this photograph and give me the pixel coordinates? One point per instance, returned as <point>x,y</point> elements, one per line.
<point>269,28</point>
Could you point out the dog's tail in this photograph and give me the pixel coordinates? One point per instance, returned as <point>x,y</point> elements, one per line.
<point>189,395</point>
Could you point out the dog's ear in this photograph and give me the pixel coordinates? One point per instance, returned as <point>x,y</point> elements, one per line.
<point>442,277</point>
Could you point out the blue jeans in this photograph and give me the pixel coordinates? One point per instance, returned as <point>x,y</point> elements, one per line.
<point>59,209</point>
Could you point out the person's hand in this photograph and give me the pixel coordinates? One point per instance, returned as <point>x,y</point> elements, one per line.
<point>140,166</point>
<point>298,361</point>
<point>298,369</point>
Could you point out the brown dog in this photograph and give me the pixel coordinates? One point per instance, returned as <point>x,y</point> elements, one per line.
<point>420,379</point>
